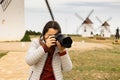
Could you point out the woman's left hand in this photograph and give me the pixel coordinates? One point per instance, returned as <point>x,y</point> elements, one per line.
<point>61,48</point>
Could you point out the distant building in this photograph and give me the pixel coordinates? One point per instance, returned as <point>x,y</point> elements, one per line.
<point>105,30</point>
<point>12,25</point>
<point>87,28</point>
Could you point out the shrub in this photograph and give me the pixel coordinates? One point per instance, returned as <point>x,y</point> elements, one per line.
<point>26,37</point>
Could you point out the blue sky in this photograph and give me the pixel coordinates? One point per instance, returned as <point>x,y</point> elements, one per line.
<point>37,15</point>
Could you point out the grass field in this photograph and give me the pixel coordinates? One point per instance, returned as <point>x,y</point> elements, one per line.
<point>97,64</point>
<point>79,38</point>
<point>88,64</point>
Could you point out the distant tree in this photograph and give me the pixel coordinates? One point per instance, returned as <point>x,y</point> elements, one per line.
<point>33,32</point>
<point>26,37</point>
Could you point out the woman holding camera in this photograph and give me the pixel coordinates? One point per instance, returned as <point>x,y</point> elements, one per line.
<point>47,57</point>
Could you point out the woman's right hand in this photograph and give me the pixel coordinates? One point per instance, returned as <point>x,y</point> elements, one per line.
<point>50,41</point>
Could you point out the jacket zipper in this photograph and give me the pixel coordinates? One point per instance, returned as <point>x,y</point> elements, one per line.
<point>30,75</point>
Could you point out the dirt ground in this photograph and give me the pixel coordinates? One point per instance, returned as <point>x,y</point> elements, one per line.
<point>13,66</point>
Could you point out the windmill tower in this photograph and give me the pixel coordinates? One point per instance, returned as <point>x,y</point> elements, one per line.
<point>104,28</point>
<point>11,20</point>
<point>86,26</point>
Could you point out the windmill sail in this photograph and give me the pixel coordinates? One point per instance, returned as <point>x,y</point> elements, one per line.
<point>86,26</point>
<point>90,13</point>
<point>79,17</point>
<point>5,4</point>
<point>105,28</point>
<point>99,19</point>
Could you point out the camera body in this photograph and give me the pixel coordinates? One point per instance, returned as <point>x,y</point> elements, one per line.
<point>64,41</point>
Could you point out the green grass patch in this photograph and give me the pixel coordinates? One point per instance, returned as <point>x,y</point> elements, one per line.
<point>97,64</point>
<point>3,53</point>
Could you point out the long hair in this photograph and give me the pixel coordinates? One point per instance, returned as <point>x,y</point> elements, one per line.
<point>50,24</point>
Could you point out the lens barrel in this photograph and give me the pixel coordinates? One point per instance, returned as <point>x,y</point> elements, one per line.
<point>64,41</point>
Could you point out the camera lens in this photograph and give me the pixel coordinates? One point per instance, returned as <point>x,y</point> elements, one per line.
<point>64,41</point>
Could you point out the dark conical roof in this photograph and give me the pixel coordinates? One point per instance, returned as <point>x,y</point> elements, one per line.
<point>87,21</point>
<point>105,24</point>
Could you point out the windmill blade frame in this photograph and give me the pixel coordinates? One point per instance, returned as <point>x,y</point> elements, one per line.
<point>78,28</point>
<point>50,11</point>
<point>99,19</point>
<point>79,16</point>
<point>5,4</point>
<point>90,13</point>
<point>109,19</point>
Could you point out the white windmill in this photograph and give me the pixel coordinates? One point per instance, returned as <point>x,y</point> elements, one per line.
<point>86,26</point>
<point>104,28</point>
<point>12,25</point>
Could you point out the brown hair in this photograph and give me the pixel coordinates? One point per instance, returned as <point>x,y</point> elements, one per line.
<point>51,24</point>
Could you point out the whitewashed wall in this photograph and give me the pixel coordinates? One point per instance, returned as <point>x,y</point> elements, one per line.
<point>12,24</point>
<point>106,32</point>
<point>89,29</point>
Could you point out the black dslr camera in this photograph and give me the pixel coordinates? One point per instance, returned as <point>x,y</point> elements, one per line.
<point>64,41</point>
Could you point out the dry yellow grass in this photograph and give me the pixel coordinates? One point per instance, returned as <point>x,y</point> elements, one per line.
<point>84,55</point>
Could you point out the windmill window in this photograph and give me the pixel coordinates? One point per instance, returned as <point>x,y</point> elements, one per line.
<point>85,29</point>
<point>5,4</point>
<point>91,33</point>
